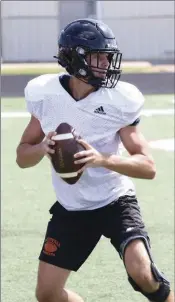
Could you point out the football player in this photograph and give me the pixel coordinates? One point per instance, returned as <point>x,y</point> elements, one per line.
<point>106,113</point>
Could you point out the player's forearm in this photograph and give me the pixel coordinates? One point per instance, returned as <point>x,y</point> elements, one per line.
<point>137,166</point>
<point>29,155</point>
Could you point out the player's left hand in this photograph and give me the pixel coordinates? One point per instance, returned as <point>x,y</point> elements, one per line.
<point>91,157</point>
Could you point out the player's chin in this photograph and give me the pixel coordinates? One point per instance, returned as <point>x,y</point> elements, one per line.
<point>100,74</point>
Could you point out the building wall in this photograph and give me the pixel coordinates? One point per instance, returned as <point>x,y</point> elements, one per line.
<point>29,8</point>
<point>120,9</point>
<point>69,12</point>
<point>30,29</point>
<point>143,29</point>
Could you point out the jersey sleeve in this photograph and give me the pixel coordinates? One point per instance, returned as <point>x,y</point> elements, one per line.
<point>136,122</point>
<point>34,100</point>
<point>132,108</point>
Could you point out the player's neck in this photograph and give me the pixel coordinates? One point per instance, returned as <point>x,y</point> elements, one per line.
<point>79,89</point>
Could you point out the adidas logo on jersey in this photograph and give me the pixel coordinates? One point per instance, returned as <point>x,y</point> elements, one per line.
<point>100,110</point>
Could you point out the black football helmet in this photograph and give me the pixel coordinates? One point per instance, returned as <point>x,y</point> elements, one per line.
<point>82,38</point>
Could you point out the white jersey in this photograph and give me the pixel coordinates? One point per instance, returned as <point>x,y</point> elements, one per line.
<point>97,119</point>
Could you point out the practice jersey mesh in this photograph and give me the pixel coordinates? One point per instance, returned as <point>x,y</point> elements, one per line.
<point>97,119</point>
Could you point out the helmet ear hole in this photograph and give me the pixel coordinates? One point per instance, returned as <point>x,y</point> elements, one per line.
<point>82,72</point>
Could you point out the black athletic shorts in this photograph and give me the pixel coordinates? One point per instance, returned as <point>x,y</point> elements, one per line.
<point>72,235</point>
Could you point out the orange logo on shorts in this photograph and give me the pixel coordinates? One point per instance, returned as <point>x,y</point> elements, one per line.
<point>50,247</point>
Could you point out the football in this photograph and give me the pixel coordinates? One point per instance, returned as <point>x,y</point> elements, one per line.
<point>65,147</point>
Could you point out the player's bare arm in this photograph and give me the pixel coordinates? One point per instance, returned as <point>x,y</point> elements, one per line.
<point>139,164</point>
<point>32,148</point>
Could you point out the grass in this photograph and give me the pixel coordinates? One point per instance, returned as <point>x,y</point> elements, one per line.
<point>27,195</point>
<point>13,104</point>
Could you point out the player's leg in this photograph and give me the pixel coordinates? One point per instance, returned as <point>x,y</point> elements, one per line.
<point>51,284</point>
<point>128,235</point>
<point>70,238</point>
<point>143,274</point>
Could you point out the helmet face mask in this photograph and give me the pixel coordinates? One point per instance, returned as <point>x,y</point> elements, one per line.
<point>104,67</point>
<point>89,55</point>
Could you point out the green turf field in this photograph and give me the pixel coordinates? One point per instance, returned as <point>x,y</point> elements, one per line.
<point>27,196</point>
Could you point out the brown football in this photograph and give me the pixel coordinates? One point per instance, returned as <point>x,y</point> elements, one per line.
<point>63,159</point>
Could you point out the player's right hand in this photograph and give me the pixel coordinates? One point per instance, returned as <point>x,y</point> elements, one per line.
<point>47,142</point>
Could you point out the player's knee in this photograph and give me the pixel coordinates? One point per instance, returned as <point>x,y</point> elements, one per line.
<point>138,266</point>
<point>159,295</point>
<point>153,285</point>
<point>143,274</point>
<point>144,279</point>
<point>42,295</point>
<point>48,295</point>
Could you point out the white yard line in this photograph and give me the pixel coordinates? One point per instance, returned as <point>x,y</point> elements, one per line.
<point>166,144</point>
<point>146,112</point>
<point>151,112</point>
<point>14,114</point>
<point>163,144</point>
